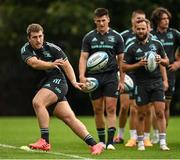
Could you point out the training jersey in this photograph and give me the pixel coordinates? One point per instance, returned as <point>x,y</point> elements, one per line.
<point>128,36</point>
<point>170,41</point>
<point>49,53</point>
<point>110,42</point>
<point>135,51</point>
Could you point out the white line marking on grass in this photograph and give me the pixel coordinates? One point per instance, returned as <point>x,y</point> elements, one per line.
<point>49,152</point>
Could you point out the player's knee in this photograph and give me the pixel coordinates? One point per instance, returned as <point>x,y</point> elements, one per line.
<point>36,104</point>
<point>141,116</point>
<point>111,109</point>
<point>159,114</point>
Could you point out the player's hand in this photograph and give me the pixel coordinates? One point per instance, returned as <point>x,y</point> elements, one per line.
<point>78,85</point>
<point>60,62</point>
<point>174,66</point>
<point>158,59</point>
<point>165,85</point>
<point>142,62</point>
<point>121,87</point>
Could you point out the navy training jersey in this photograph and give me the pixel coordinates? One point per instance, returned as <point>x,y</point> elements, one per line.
<point>128,36</point>
<point>170,41</point>
<point>49,53</point>
<point>110,42</point>
<point>135,51</point>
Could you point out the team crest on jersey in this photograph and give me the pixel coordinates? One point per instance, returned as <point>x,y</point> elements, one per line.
<point>152,47</point>
<point>111,39</point>
<point>169,35</point>
<point>46,54</point>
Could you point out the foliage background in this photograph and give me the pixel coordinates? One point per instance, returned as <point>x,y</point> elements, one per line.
<point>65,22</point>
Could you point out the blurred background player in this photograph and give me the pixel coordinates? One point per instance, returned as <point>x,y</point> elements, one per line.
<point>127,100</point>
<point>149,85</point>
<point>170,39</point>
<point>53,88</point>
<point>104,98</point>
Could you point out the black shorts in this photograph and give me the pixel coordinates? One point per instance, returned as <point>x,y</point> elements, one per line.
<point>56,84</point>
<point>145,94</point>
<point>108,84</point>
<point>171,89</point>
<point>131,94</point>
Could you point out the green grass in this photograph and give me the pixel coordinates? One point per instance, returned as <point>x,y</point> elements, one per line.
<point>19,131</point>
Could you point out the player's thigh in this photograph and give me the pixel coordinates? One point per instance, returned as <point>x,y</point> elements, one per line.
<point>45,97</point>
<point>98,104</point>
<point>63,110</point>
<point>124,101</point>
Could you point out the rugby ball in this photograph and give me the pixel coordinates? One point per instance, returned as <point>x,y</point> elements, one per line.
<point>128,83</point>
<point>91,85</point>
<point>97,61</point>
<point>151,61</point>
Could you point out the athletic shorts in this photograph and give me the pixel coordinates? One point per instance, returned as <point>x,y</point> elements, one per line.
<point>56,84</point>
<point>108,84</point>
<point>145,94</point>
<point>131,94</point>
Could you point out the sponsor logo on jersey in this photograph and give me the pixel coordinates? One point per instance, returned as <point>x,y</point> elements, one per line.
<point>94,39</point>
<point>138,50</point>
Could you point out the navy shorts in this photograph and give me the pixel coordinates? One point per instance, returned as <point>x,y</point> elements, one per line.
<point>56,84</point>
<point>145,94</point>
<point>108,84</point>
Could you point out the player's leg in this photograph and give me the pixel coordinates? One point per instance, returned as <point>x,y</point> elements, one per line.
<point>98,108</point>
<point>161,121</point>
<point>141,113</point>
<point>110,94</point>
<point>147,126</point>
<point>43,99</point>
<point>123,114</point>
<point>155,136</point>
<point>132,123</point>
<point>64,112</point>
<point>167,110</point>
<point>110,103</point>
<point>159,105</point>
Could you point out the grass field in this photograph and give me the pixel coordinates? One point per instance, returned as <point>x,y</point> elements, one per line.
<point>19,131</point>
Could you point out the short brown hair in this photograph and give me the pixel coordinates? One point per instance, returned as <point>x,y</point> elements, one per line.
<point>157,14</point>
<point>138,11</point>
<point>34,27</point>
<point>99,12</point>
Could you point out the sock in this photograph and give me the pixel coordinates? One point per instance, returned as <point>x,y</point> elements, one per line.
<point>111,132</point>
<point>45,134</point>
<point>101,134</point>
<point>162,138</point>
<point>140,140</point>
<point>133,134</point>
<point>121,132</point>
<point>146,135</point>
<point>156,132</point>
<point>90,140</point>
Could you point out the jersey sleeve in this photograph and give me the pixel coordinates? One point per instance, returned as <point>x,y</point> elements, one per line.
<point>128,53</point>
<point>120,45</point>
<point>85,45</point>
<point>56,51</point>
<point>161,50</point>
<point>177,39</point>
<point>26,53</point>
